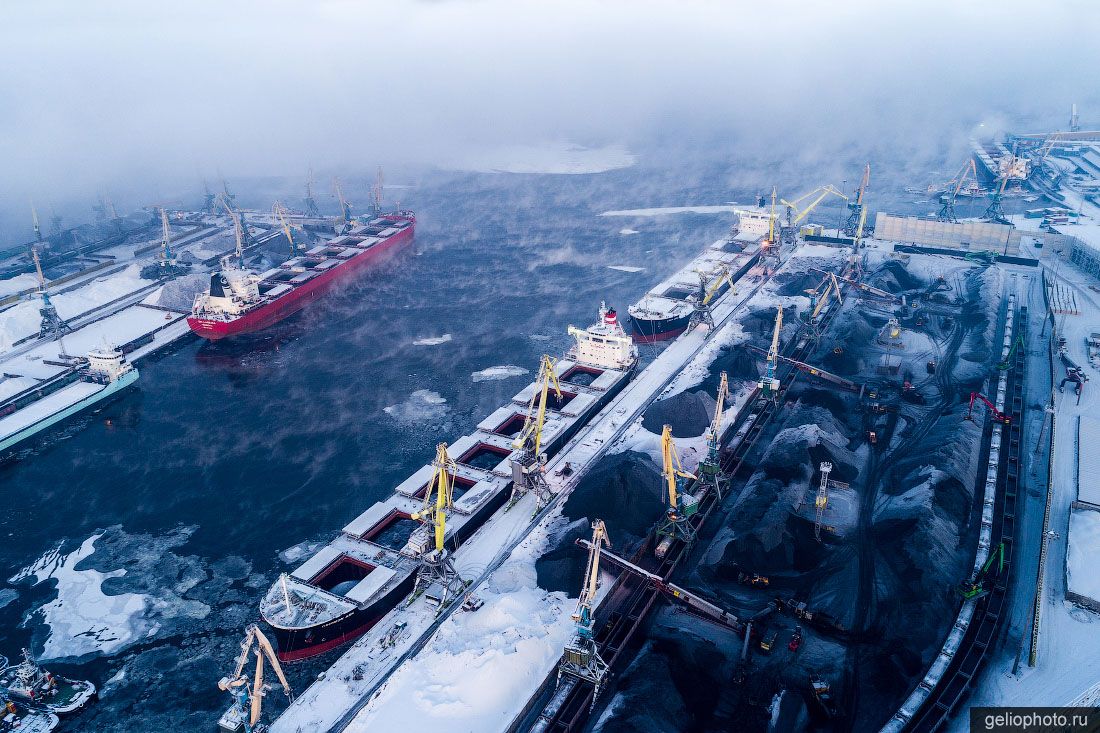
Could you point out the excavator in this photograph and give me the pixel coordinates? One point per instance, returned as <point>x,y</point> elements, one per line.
<point>710,469</point>
<point>244,714</point>
<point>529,465</point>
<point>437,577</point>
<point>581,659</point>
<point>675,524</point>
<point>707,291</point>
<point>978,586</point>
<point>769,385</point>
<point>998,416</point>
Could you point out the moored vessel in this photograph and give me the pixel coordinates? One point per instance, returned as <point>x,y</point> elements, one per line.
<point>667,310</point>
<point>28,683</point>
<point>371,566</point>
<point>104,373</point>
<point>239,301</point>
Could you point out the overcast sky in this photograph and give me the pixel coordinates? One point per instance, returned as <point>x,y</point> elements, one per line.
<point>95,93</point>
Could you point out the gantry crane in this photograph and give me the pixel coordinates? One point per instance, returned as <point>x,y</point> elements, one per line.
<point>37,227</point>
<point>581,659</point>
<point>209,200</point>
<point>978,586</point>
<point>822,499</point>
<point>344,222</point>
<point>770,246</point>
<point>821,192</point>
<point>167,257</point>
<point>282,215</point>
<point>707,291</point>
<point>239,232</point>
<point>248,695</point>
<point>886,295</point>
<point>675,523</point>
<point>528,466</point>
<point>819,297</point>
<point>52,326</point>
<point>853,227</point>
<point>377,192</point>
<point>437,576</point>
<point>710,468</point>
<point>998,416</point>
<point>947,198</point>
<point>769,385</point>
<point>311,203</point>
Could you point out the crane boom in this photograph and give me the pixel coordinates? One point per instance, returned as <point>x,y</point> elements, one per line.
<point>439,489</point>
<point>821,191</point>
<point>583,615</point>
<point>719,407</point>
<point>672,469</point>
<point>281,215</point>
<point>536,407</point>
<point>248,699</point>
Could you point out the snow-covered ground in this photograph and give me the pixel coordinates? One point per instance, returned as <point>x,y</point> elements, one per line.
<point>23,319</point>
<point>558,158</point>
<point>1068,663</point>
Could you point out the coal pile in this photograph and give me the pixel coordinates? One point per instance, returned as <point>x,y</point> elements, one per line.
<point>688,413</point>
<point>625,490</point>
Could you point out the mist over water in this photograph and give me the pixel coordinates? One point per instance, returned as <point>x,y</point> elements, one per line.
<point>202,485</point>
<point>145,100</point>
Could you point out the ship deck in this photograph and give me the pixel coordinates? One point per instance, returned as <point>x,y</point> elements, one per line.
<point>332,703</point>
<point>297,271</point>
<point>669,298</point>
<point>378,549</point>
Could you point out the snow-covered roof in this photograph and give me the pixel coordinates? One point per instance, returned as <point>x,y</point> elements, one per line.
<point>1083,547</point>
<point>1088,461</point>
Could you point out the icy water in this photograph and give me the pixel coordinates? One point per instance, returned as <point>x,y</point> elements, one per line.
<point>139,540</point>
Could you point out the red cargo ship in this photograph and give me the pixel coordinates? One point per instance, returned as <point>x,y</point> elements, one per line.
<point>240,301</point>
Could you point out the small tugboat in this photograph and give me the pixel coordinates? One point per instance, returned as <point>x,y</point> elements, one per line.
<point>20,718</point>
<point>28,683</point>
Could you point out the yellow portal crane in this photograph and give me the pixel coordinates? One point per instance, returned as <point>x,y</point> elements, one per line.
<point>438,497</point>
<point>819,298</point>
<point>769,385</point>
<point>437,576</point>
<point>528,463</point>
<point>821,192</point>
<point>675,524</point>
<point>282,215</point>
<point>248,698</point>
<point>345,207</point>
<point>773,238</point>
<point>707,291</point>
<point>581,658</point>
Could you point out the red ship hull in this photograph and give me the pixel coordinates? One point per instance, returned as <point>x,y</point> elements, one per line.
<point>287,305</point>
